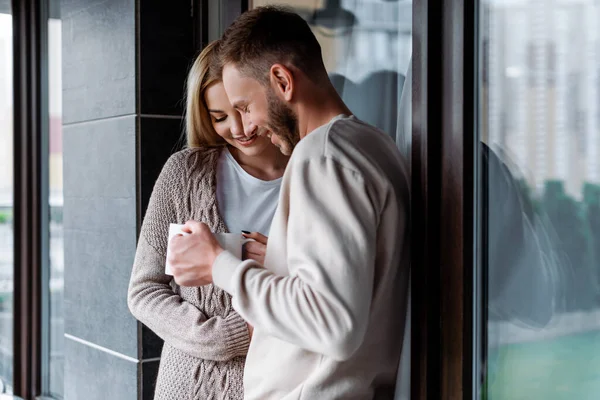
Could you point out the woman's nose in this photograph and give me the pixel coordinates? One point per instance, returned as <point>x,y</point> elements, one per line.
<point>236,127</point>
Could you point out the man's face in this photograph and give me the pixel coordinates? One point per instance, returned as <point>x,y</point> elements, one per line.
<point>262,111</point>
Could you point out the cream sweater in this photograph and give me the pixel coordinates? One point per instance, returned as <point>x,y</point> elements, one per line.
<point>329,305</point>
<point>205,339</point>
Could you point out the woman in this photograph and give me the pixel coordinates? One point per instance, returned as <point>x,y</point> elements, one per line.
<point>230,181</point>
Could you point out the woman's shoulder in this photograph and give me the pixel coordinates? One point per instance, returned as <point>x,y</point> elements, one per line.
<point>193,160</point>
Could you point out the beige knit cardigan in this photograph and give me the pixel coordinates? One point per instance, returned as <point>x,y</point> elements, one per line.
<point>206,341</point>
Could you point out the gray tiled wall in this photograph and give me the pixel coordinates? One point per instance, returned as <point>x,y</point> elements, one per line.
<point>98,64</point>
<point>5,7</point>
<point>93,374</point>
<point>124,68</point>
<point>100,231</point>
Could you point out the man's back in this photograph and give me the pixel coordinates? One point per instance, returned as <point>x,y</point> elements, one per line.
<point>340,238</point>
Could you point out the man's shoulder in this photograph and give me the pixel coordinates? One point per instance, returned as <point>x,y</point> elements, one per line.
<point>353,144</point>
<point>351,131</point>
<point>340,132</point>
<point>350,139</point>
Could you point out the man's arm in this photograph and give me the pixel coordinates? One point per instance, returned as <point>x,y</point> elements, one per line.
<point>323,305</point>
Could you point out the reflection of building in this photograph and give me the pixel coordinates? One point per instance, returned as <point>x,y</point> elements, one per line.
<point>541,89</point>
<point>6,111</point>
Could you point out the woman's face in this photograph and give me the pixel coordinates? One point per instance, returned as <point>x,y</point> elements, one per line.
<point>228,123</point>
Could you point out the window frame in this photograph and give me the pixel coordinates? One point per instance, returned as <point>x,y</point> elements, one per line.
<point>446,326</point>
<point>31,208</point>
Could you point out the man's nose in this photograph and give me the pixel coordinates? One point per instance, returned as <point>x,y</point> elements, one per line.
<point>249,127</point>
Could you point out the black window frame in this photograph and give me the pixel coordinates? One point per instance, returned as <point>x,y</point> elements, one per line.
<point>31,338</point>
<point>446,309</point>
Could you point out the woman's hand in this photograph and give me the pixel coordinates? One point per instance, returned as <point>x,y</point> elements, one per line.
<point>255,250</point>
<point>250,330</point>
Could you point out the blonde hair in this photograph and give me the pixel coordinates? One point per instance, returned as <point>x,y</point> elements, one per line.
<point>203,74</point>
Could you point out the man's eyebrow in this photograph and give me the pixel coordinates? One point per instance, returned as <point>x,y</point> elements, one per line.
<point>240,104</point>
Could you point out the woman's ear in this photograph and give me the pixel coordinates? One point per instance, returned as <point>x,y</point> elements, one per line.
<point>282,81</point>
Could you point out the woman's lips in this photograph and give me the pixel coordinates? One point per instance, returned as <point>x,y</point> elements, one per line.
<point>246,141</point>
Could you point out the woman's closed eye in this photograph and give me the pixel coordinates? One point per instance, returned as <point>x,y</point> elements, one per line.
<point>220,119</point>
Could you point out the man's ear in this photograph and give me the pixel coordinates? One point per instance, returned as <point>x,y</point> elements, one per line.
<point>282,81</point>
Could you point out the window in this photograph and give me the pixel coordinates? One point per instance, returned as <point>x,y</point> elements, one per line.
<point>6,200</point>
<point>55,366</point>
<point>540,201</point>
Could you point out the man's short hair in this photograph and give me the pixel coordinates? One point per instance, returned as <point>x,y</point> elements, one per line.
<point>268,35</point>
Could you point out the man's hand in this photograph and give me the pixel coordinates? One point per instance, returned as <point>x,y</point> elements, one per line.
<point>191,256</point>
<point>255,250</point>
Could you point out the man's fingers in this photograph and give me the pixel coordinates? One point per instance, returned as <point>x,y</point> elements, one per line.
<point>194,227</point>
<point>259,237</point>
<point>189,226</point>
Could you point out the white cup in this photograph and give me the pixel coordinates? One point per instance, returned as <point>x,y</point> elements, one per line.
<point>231,242</point>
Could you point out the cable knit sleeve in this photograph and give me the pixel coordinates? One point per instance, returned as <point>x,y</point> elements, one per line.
<point>151,298</point>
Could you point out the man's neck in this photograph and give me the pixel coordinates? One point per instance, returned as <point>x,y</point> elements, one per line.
<point>320,108</point>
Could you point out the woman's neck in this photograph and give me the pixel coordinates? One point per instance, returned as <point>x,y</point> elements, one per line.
<point>267,166</point>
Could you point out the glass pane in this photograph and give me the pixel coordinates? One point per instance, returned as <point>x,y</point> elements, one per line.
<point>540,147</point>
<point>56,206</point>
<point>366,47</point>
<point>6,199</point>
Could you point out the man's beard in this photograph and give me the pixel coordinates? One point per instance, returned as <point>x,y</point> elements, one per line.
<point>283,122</point>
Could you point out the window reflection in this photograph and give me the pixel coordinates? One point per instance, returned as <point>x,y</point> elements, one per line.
<point>541,198</point>
<point>6,201</point>
<point>55,171</point>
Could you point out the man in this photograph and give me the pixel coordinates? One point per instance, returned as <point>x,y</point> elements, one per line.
<point>328,307</point>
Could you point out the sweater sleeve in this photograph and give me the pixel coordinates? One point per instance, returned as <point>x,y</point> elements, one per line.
<point>151,298</point>
<point>323,305</point>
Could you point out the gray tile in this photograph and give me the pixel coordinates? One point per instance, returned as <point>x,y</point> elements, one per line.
<point>166,52</point>
<point>98,65</point>
<point>92,374</point>
<point>100,232</point>
<point>99,158</point>
<point>98,261</point>
<point>5,7</point>
<point>149,374</point>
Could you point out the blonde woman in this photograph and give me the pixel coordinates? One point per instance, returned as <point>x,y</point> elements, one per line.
<point>228,179</point>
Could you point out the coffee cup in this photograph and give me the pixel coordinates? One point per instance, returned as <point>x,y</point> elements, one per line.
<point>231,242</point>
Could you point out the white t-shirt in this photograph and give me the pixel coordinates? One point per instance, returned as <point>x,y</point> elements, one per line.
<point>245,202</point>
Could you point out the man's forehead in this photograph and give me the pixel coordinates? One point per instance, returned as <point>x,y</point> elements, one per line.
<point>238,86</point>
<point>231,70</point>
<point>232,73</point>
